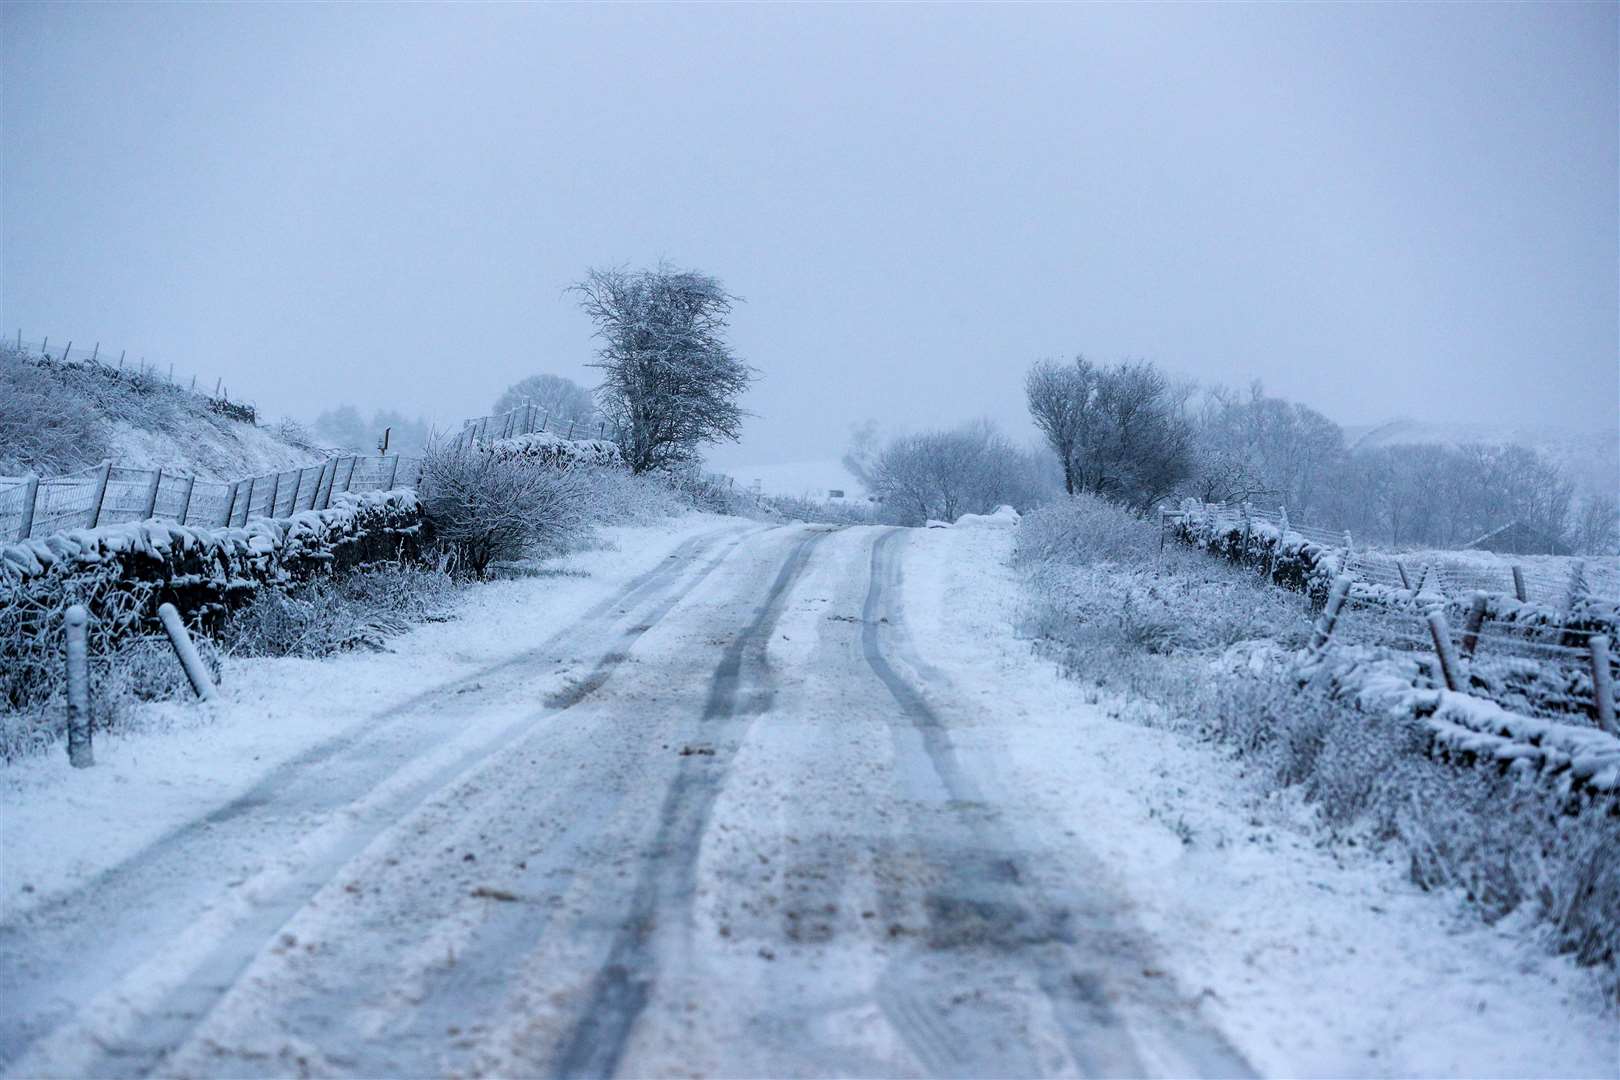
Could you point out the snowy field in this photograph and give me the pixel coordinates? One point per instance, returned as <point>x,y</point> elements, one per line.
<point>735,800</point>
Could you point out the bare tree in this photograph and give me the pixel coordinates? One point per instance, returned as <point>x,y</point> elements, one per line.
<point>670,380</point>
<point>965,470</point>
<point>1060,398</point>
<point>1136,441</point>
<point>557,396</point>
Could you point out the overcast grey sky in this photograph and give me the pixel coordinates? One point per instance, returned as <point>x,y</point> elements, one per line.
<point>1377,209</point>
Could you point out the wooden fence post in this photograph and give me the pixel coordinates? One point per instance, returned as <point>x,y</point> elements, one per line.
<point>1406,582</point>
<point>1330,614</point>
<point>80,754</point>
<point>25,528</point>
<point>298,486</point>
<point>196,673</point>
<point>392,473</point>
<point>1476,619</point>
<point>1518,584</point>
<point>1602,683</point>
<point>275,494</point>
<point>1450,667</point>
<point>247,504</point>
<point>354,462</point>
<point>230,504</point>
<point>100,495</point>
<point>1578,588</point>
<point>322,502</point>
<point>1423,575</point>
<point>150,510</point>
<point>185,500</point>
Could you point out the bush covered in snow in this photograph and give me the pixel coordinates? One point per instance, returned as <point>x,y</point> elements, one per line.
<point>485,506</point>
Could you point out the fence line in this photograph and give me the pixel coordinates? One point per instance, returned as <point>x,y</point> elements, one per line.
<point>137,373</point>
<point>527,419</point>
<point>1501,657</point>
<point>109,494</point>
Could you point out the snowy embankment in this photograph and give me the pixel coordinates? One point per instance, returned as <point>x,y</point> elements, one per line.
<point>65,826</point>
<point>1315,960</point>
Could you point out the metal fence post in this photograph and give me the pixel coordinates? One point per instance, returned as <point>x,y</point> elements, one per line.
<point>230,504</point>
<point>100,495</point>
<point>354,463</point>
<point>30,500</point>
<point>275,494</point>
<point>298,485</point>
<point>196,673</point>
<point>392,473</point>
<point>80,754</point>
<point>247,504</point>
<point>150,510</point>
<point>1602,683</point>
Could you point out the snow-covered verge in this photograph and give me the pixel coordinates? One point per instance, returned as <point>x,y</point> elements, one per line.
<point>1304,937</point>
<point>64,826</point>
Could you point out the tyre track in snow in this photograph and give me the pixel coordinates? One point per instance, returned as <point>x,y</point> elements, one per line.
<point>419,976</point>
<point>664,887</point>
<point>990,908</point>
<point>47,974</point>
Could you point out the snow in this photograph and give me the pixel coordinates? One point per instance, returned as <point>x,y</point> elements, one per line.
<point>1317,961</point>
<point>64,826</point>
<point>801,479</point>
<point>475,883</point>
<point>211,447</point>
<point>1003,517</point>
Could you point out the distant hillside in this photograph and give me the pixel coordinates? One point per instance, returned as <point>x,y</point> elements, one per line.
<point>56,418</point>
<point>1589,458</point>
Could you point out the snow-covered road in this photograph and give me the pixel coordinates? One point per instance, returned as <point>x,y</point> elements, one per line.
<point>775,806</point>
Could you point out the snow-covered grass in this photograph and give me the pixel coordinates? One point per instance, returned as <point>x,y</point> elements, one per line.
<point>55,419</point>
<point>1204,648</point>
<point>1318,947</point>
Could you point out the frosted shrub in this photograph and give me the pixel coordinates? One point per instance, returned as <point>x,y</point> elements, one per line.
<point>1085,528</point>
<point>483,507</point>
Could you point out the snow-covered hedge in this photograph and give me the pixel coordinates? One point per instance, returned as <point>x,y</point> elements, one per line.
<point>1284,556</point>
<point>123,572</point>
<point>549,448</point>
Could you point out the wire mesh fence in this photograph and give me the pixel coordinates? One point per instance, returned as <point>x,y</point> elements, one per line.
<point>108,494</point>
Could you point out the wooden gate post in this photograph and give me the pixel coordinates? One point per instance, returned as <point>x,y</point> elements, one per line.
<point>185,500</point>
<point>1450,667</point>
<point>25,528</point>
<point>150,510</point>
<point>100,495</point>
<point>1602,683</point>
<point>1476,619</point>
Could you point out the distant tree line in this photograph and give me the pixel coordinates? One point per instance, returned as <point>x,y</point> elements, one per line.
<point>1128,433</point>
